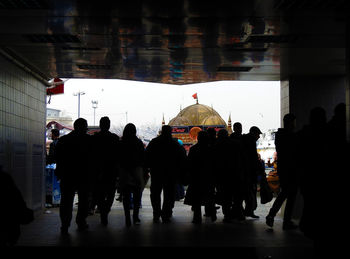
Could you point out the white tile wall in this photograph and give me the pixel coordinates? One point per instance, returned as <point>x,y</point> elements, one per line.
<point>22,130</point>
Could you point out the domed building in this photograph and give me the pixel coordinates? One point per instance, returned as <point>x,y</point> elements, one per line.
<point>195,118</point>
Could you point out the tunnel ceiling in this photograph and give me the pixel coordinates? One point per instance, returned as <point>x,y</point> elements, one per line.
<point>177,42</point>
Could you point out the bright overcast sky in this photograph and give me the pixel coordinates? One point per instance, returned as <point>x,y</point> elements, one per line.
<point>251,103</point>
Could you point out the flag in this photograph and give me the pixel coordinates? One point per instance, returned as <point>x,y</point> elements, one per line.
<point>56,88</point>
<point>195,96</point>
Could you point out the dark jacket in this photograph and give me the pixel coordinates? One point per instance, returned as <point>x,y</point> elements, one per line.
<point>132,153</point>
<point>106,147</point>
<point>250,158</point>
<point>165,157</point>
<point>201,175</point>
<point>51,158</point>
<point>286,148</point>
<point>74,158</point>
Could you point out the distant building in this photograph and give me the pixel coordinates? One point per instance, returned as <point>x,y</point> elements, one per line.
<point>194,118</point>
<point>54,120</point>
<point>55,115</point>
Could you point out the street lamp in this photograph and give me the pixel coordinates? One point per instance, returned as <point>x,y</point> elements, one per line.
<point>78,94</point>
<point>94,106</point>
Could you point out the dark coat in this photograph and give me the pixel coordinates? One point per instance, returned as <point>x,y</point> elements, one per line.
<point>106,147</point>
<point>132,163</point>
<point>74,158</point>
<point>51,158</point>
<point>286,148</point>
<point>250,159</point>
<point>226,160</point>
<point>132,153</point>
<point>201,175</point>
<point>165,158</point>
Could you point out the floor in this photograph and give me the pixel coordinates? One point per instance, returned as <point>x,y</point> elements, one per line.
<point>251,238</point>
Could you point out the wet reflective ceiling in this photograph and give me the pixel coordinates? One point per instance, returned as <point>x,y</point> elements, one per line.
<point>177,42</point>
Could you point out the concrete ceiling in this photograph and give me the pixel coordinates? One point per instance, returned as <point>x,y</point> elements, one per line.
<point>177,42</point>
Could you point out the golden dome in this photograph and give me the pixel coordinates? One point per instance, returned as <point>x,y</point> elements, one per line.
<point>197,115</point>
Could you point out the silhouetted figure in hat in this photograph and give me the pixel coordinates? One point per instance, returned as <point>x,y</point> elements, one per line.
<point>105,147</point>
<point>286,148</point>
<point>201,187</point>
<point>73,170</point>
<point>251,170</point>
<point>165,158</point>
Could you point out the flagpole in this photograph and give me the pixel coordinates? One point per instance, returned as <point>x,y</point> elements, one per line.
<point>195,96</point>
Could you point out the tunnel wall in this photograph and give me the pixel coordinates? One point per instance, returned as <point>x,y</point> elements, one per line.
<point>22,131</point>
<point>299,94</point>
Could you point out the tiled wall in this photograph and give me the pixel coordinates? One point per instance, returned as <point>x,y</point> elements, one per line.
<point>22,130</point>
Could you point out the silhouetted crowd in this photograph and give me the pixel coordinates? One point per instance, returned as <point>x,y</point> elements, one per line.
<point>219,170</point>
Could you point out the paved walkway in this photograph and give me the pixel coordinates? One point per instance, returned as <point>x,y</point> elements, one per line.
<point>250,234</point>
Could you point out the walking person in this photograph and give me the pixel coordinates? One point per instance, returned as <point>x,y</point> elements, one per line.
<point>251,169</point>
<point>132,172</point>
<point>73,168</point>
<point>239,190</point>
<point>226,169</point>
<point>51,158</point>
<point>211,143</point>
<point>201,188</point>
<point>165,158</point>
<point>286,148</point>
<point>106,147</point>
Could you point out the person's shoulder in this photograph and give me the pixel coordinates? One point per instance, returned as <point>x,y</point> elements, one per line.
<point>139,142</point>
<point>64,138</point>
<point>155,140</point>
<point>113,135</point>
<point>194,147</point>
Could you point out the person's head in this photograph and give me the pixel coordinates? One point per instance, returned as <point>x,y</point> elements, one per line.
<point>203,137</point>
<point>55,133</point>
<point>289,121</point>
<point>129,131</point>
<point>80,126</point>
<point>237,127</point>
<point>166,131</point>
<point>105,123</point>
<point>340,111</point>
<point>222,133</point>
<point>255,132</point>
<point>211,133</point>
